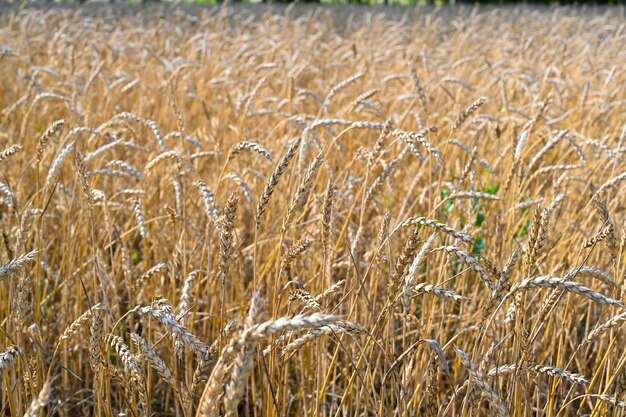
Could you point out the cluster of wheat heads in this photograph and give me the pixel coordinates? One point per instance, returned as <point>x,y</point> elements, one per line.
<point>299,212</point>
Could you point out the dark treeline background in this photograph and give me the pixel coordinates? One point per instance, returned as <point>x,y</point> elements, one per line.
<point>367,2</point>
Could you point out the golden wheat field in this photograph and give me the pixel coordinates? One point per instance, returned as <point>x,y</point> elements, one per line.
<point>312,212</point>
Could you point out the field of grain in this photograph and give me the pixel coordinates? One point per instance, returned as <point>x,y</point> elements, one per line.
<point>312,212</point>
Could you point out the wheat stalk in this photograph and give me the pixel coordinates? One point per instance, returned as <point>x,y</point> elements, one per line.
<point>478,378</point>
<point>562,284</point>
<point>275,177</point>
<point>17,264</point>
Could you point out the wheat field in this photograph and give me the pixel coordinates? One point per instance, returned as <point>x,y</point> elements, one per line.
<point>312,211</point>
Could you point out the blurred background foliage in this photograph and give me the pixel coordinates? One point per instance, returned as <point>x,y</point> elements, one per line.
<point>362,2</point>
